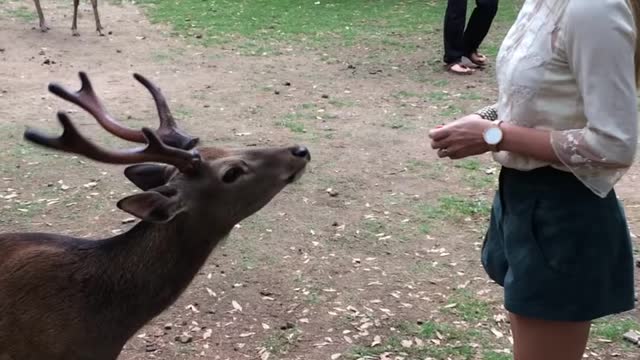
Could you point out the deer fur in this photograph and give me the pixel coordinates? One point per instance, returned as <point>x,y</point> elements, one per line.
<point>69,298</point>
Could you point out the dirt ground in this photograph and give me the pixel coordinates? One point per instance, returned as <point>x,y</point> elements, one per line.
<point>319,273</point>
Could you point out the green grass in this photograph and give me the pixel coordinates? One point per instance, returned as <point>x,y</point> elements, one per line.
<point>492,355</point>
<point>325,20</point>
<point>261,24</point>
<point>23,13</point>
<point>455,342</point>
<point>613,329</point>
<point>282,341</point>
<point>450,208</point>
<point>293,123</point>
<point>468,308</point>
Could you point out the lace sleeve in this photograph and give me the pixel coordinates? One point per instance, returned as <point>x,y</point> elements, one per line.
<point>489,112</point>
<point>600,47</point>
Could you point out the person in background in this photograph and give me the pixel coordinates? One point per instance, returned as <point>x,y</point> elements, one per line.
<point>565,131</point>
<point>460,42</point>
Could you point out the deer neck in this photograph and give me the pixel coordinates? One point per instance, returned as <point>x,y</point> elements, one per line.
<point>154,263</point>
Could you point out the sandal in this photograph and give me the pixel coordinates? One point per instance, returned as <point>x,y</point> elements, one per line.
<point>478,59</point>
<point>459,69</point>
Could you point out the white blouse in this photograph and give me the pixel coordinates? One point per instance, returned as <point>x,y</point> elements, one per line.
<point>568,66</point>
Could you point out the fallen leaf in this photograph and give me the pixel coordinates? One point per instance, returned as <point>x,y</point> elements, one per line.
<point>377,340</point>
<point>497,333</point>
<point>236,305</point>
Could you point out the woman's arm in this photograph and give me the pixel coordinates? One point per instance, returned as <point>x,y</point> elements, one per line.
<point>529,142</point>
<point>599,41</point>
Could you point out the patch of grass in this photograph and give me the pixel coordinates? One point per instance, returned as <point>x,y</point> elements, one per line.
<point>454,344</point>
<point>437,96</point>
<point>468,307</point>
<point>613,329</point>
<point>450,208</point>
<point>373,227</point>
<point>492,355</point>
<point>282,341</point>
<point>454,207</point>
<point>440,82</point>
<point>450,110</point>
<point>470,96</point>
<point>474,175</point>
<point>23,13</point>
<point>183,112</point>
<point>266,21</point>
<point>468,164</point>
<point>293,123</point>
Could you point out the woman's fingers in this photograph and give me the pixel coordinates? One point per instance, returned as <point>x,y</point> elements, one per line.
<point>439,133</point>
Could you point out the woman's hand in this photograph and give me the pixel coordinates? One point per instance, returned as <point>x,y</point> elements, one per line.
<point>461,138</point>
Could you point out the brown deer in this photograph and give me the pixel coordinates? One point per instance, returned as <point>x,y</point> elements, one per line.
<point>74,25</point>
<point>68,298</point>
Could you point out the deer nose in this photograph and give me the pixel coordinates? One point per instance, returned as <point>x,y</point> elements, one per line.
<point>301,151</point>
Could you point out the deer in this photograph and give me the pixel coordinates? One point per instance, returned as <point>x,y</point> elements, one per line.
<point>74,25</point>
<point>71,298</point>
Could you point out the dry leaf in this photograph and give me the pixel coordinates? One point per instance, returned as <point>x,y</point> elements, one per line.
<point>236,305</point>
<point>377,340</point>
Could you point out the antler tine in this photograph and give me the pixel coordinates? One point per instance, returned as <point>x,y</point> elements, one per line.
<point>168,130</point>
<point>87,99</point>
<point>156,151</point>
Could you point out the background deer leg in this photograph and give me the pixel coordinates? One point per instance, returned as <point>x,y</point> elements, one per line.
<point>94,3</point>
<point>43,24</point>
<point>74,24</point>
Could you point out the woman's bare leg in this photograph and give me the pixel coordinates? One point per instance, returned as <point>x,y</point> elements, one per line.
<point>536,339</point>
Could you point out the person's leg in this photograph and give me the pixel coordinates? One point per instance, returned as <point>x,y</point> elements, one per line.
<point>454,24</point>
<point>478,28</point>
<point>535,339</point>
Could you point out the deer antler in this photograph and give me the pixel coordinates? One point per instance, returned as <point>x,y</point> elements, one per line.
<point>87,99</point>
<point>156,151</point>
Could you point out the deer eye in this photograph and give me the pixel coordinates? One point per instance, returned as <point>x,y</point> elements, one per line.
<point>232,174</point>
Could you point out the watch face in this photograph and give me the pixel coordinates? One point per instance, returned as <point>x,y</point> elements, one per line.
<point>493,136</point>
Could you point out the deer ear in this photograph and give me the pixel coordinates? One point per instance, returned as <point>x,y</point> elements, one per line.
<point>152,206</point>
<point>149,176</point>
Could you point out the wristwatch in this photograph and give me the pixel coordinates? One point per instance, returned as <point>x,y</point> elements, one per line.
<point>493,135</point>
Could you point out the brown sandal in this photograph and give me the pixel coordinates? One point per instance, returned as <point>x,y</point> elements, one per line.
<point>461,69</point>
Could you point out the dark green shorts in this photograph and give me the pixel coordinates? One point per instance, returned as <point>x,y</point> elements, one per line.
<point>559,251</point>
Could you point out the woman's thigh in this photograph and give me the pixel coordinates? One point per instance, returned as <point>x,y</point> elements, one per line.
<point>535,339</point>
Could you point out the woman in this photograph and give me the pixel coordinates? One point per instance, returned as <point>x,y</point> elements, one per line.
<point>558,240</point>
<point>458,41</point>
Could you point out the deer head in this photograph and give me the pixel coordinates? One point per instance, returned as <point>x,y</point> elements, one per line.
<point>175,175</point>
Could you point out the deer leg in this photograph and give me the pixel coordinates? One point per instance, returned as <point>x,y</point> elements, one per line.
<point>94,3</point>
<point>43,24</point>
<point>74,24</point>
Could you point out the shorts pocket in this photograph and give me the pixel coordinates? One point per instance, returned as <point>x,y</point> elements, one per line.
<point>566,232</point>
<point>522,250</point>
